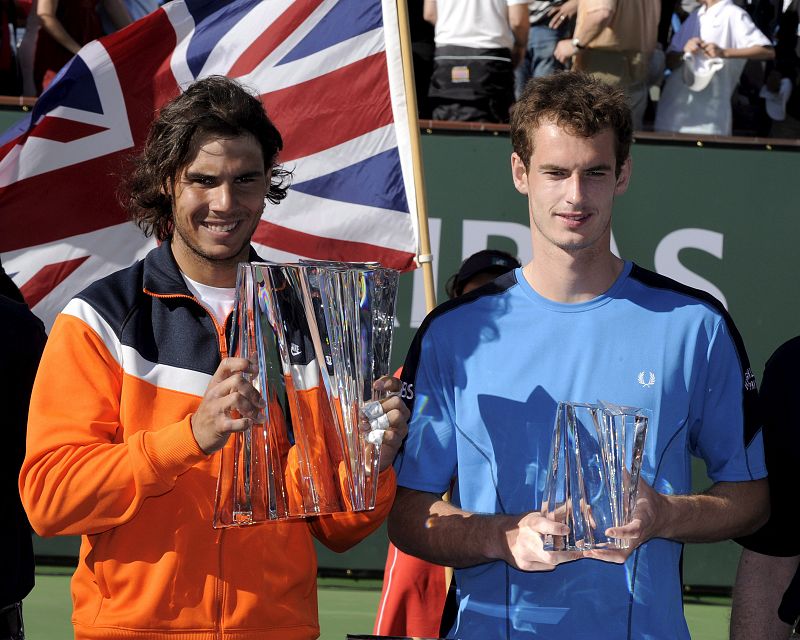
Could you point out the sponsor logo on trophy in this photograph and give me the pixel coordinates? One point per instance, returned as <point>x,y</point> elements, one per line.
<point>594,472</point>
<point>322,334</point>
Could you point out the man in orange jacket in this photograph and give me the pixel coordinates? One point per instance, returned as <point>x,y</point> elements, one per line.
<point>136,396</point>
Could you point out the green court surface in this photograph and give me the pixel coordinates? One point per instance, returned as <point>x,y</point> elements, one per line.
<point>345,606</point>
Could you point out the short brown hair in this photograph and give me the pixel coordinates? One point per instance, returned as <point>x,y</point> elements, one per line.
<point>576,102</point>
<point>214,105</point>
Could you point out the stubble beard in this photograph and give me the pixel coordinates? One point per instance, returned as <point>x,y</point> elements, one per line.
<point>203,257</point>
<point>576,245</point>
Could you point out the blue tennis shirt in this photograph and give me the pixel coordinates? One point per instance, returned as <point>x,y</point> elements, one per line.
<point>485,374</point>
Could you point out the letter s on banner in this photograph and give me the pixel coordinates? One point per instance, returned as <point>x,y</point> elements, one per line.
<point>667,263</point>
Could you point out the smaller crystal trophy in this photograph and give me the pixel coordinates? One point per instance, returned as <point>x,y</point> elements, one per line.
<point>594,473</point>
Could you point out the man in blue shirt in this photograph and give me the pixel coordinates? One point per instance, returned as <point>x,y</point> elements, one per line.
<point>486,371</point>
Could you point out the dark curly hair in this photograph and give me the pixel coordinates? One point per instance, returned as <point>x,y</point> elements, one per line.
<point>214,105</point>
<point>576,102</point>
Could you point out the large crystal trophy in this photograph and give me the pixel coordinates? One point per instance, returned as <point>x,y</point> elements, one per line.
<point>594,473</point>
<point>322,334</point>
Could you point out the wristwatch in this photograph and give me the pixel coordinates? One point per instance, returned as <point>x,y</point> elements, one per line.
<point>576,42</point>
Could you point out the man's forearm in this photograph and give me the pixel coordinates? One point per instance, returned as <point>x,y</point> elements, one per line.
<point>424,525</point>
<point>726,510</point>
<point>590,25</point>
<point>760,583</point>
<point>751,53</point>
<point>429,13</point>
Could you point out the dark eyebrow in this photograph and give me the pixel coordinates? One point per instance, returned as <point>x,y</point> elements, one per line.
<point>192,175</point>
<point>555,167</point>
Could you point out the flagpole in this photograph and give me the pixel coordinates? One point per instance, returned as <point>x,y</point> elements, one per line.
<point>424,256</point>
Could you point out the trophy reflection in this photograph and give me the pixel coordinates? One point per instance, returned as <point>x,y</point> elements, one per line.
<point>322,334</point>
<point>594,473</point>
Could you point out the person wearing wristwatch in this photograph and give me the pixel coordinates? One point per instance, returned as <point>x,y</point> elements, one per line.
<point>550,22</point>
<point>613,41</point>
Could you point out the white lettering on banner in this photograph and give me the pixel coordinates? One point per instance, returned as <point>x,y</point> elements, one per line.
<point>418,310</point>
<point>476,234</point>
<point>667,257</point>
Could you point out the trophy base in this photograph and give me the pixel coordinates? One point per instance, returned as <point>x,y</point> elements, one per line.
<point>242,517</point>
<point>559,543</point>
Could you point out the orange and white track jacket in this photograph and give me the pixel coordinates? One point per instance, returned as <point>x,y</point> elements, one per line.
<point>111,456</point>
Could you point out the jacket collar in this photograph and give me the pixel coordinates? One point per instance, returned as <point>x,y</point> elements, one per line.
<point>162,276</point>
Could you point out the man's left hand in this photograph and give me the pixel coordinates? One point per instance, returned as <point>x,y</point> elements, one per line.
<point>646,522</point>
<point>398,414</point>
<point>713,50</point>
<point>562,13</point>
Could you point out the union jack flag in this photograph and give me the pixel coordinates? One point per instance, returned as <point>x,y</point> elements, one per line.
<point>330,75</point>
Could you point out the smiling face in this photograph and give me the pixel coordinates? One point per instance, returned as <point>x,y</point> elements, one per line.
<point>571,185</point>
<point>217,202</point>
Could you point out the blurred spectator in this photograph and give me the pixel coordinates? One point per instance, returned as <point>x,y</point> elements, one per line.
<point>18,363</point>
<point>787,66</point>
<point>776,93</point>
<point>668,8</point>
<point>56,31</point>
<point>551,21</point>
<point>422,52</point>
<point>9,70</point>
<point>478,44</point>
<point>765,14</point>
<point>136,9</point>
<point>707,56</point>
<point>614,41</point>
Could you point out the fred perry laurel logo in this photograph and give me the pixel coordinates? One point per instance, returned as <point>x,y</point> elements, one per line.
<point>647,379</point>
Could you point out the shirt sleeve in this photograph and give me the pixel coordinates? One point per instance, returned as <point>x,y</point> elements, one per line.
<point>340,531</point>
<point>746,34</point>
<point>725,425</point>
<point>428,459</point>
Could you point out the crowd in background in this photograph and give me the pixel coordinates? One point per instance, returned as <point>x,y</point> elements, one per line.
<point>472,64</point>
<point>38,37</point>
<point>674,72</point>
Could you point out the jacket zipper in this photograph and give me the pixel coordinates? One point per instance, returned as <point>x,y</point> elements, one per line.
<point>219,590</point>
<point>223,350</point>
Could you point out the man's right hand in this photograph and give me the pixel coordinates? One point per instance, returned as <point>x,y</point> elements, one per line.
<point>522,542</point>
<point>564,51</point>
<point>230,404</point>
<point>694,46</point>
